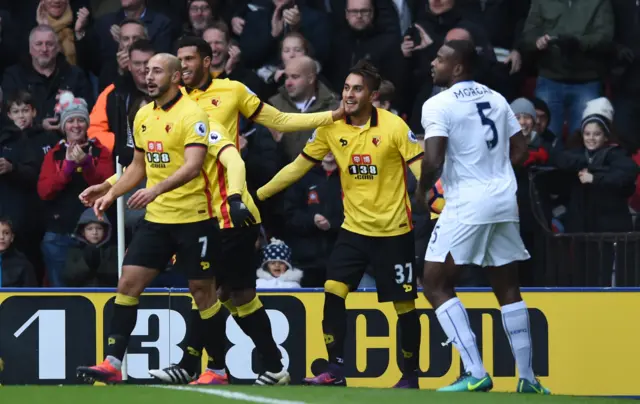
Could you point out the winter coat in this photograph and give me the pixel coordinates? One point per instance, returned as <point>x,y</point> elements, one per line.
<point>583,34</point>
<point>90,265</point>
<point>316,193</point>
<point>45,89</point>
<point>290,279</point>
<point>17,188</point>
<point>61,182</point>
<point>600,206</point>
<point>294,142</point>
<point>15,270</point>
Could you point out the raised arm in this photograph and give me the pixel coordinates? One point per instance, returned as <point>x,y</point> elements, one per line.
<point>289,175</point>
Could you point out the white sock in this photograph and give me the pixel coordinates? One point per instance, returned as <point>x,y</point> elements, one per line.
<point>515,319</point>
<point>115,362</point>
<point>455,323</point>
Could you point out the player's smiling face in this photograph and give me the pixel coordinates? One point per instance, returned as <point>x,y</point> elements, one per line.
<point>356,95</point>
<point>442,66</point>
<point>193,67</point>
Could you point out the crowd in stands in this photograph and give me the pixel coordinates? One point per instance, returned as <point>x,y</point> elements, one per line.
<point>73,77</point>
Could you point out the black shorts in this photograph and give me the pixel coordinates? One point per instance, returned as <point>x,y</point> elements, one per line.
<point>391,260</point>
<point>238,258</point>
<point>194,244</point>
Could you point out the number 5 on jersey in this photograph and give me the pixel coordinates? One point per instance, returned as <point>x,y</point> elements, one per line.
<point>482,106</point>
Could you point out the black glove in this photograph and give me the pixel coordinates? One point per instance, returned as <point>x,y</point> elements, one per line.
<point>240,214</point>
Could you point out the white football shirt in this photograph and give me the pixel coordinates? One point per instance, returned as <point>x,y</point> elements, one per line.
<point>478,179</point>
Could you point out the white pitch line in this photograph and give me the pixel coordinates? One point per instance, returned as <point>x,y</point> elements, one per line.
<point>232,395</point>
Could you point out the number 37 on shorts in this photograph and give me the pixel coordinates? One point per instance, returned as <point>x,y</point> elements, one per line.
<point>404,276</point>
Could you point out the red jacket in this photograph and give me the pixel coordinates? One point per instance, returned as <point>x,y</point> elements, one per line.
<point>61,181</point>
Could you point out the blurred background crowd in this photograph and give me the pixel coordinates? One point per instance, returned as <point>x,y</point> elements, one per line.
<point>570,68</point>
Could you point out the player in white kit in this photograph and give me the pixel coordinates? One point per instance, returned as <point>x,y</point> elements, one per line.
<point>472,135</point>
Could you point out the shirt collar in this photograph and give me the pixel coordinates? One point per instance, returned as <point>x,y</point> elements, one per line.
<point>167,106</point>
<point>204,87</point>
<point>373,121</point>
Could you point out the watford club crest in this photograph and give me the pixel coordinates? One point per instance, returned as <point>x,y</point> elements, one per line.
<point>215,101</point>
<point>168,127</point>
<point>375,141</point>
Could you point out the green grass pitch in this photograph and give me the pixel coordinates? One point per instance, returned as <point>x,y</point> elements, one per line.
<point>269,395</point>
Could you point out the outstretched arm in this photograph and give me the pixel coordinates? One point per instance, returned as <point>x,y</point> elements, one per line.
<point>286,177</point>
<point>291,122</point>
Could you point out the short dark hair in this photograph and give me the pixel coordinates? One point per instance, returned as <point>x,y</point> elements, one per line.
<point>466,52</point>
<point>7,222</point>
<point>20,97</point>
<point>142,45</point>
<point>222,27</point>
<point>201,45</point>
<point>368,72</point>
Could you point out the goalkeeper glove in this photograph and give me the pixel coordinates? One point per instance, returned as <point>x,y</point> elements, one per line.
<point>240,214</point>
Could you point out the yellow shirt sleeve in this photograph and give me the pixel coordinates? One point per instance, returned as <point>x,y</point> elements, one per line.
<point>136,130</point>
<point>317,147</point>
<point>409,146</point>
<point>286,177</point>
<point>195,128</point>
<point>290,122</point>
<point>248,102</point>
<point>234,168</point>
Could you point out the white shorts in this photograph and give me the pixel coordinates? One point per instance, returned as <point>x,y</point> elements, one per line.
<point>493,244</point>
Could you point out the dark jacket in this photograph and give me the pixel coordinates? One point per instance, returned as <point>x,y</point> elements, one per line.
<point>18,187</point>
<point>91,265</point>
<point>626,78</point>
<point>45,89</point>
<point>260,48</point>
<point>584,32</point>
<point>318,192</point>
<point>62,181</point>
<point>377,45</point>
<point>40,141</point>
<point>503,20</point>
<point>602,205</point>
<point>8,42</point>
<point>98,49</point>
<point>15,270</point>
<point>294,142</point>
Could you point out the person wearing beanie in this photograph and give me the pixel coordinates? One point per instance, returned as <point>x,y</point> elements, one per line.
<point>276,271</point>
<point>202,14</point>
<point>71,166</point>
<point>543,115</point>
<point>525,111</point>
<point>602,177</point>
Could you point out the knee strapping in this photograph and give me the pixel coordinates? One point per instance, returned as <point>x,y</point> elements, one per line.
<point>336,288</point>
<point>405,306</point>
<point>124,300</point>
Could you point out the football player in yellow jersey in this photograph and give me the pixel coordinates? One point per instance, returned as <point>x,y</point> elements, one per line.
<point>373,148</point>
<point>225,100</point>
<point>239,220</point>
<point>171,143</point>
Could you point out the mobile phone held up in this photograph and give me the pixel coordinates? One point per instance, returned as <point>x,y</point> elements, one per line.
<point>413,33</point>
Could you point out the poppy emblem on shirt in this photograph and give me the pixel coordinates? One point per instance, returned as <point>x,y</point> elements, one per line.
<point>313,198</point>
<point>375,141</point>
<point>215,101</point>
<point>168,127</point>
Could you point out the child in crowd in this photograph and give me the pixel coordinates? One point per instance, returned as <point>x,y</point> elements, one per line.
<point>22,111</point>
<point>15,269</point>
<point>276,271</point>
<point>386,92</point>
<point>93,262</point>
